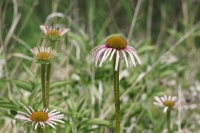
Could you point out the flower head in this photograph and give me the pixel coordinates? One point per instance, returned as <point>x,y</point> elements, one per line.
<point>43,55</point>
<point>168,102</point>
<point>40,117</point>
<point>114,45</point>
<point>53,34</point>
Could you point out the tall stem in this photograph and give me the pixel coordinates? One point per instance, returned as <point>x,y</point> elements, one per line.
<point>47,84</point>
<point>116,95</point>
<point>48,73</point>
<point>168,120</point>
<point>39,129</point>
<point>43,71</point>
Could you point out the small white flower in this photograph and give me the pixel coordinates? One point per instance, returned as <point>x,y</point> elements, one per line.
<point>42,53</point>
<point>168,102</point>
<point>53,34</point>
<point>40,118</point>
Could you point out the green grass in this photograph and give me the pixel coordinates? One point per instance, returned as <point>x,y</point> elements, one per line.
<point>165,34</point>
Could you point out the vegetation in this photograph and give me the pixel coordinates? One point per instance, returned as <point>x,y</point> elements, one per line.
<point>164,33</point>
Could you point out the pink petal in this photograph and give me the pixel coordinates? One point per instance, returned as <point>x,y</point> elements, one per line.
<point>43,28</point>
<point>178,103</point>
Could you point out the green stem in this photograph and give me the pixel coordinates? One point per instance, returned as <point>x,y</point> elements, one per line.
<point>116,95</point>
<point>168,120</point>
<point>47,85</point>
<point>43,71</point>
<point>46,129</point>
<point>53,44</point>
<point>39,129</point>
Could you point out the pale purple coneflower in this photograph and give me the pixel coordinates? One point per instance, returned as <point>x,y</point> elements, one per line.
<point>40,118</point>
<point>53,34</point>
<point>114,45</point>
<point>43,54</point>
<point>168,102</point>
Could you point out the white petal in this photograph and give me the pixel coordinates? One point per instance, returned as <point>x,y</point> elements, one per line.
<point>165,109</point>
<point>165,96</point>
<point>125,58</point>
<point>117,60</point>
<point>163,99</point>
<point>51,125</point>
<point>173,98</point>
<point>137,58</point>
<point>112,54</point>
<point>103,58</point>
<point>110,49</point>
<point>161,105</point>
<point>36,125</point>
<point>64,31</point>
<point>131,56</point>
<point>43,28</point>
<point>169,98</point>
<point>97,58</point>
<point>27,110</point>
<point>158,100</point>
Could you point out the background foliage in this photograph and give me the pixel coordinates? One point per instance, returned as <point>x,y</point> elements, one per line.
<point>165,34</point>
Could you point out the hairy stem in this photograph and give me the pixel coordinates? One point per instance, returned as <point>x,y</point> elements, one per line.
<point>47,84</point>
<point>168,120</point>
<point>43,71</point>
<point>116,95</point>
<point>39,129</point>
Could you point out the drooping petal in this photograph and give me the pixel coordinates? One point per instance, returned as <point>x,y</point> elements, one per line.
<point>131,56</point>
<point>117,60</point>
<point>103,58</point>
<point>112,54</point>
<point>165,109</point>
<point>125,58</point>
<point>114,45</point>
<point>138,59</point>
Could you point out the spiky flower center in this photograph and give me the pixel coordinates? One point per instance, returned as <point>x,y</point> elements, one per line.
<point>39,116</point>
<point>116,42</point>
<point>170,104</point>
<point>43,56</point>
<point>54,33</point>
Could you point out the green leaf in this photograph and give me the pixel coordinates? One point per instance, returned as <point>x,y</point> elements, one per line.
<point>58,84</point>
<point>29,71</point>
<point>22,84</point>
<point>61,109</point>
<point>97,121</point>
<point>146,48</point>
<point>56,91</point>
<point>166,73</point>
<point>80,105</point>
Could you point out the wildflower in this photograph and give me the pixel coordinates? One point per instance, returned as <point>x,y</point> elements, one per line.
<point>114,45</point>
<point>43,55</point>
<point>40,118</point>
<point>168,102</point>
<point>53,34</point>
